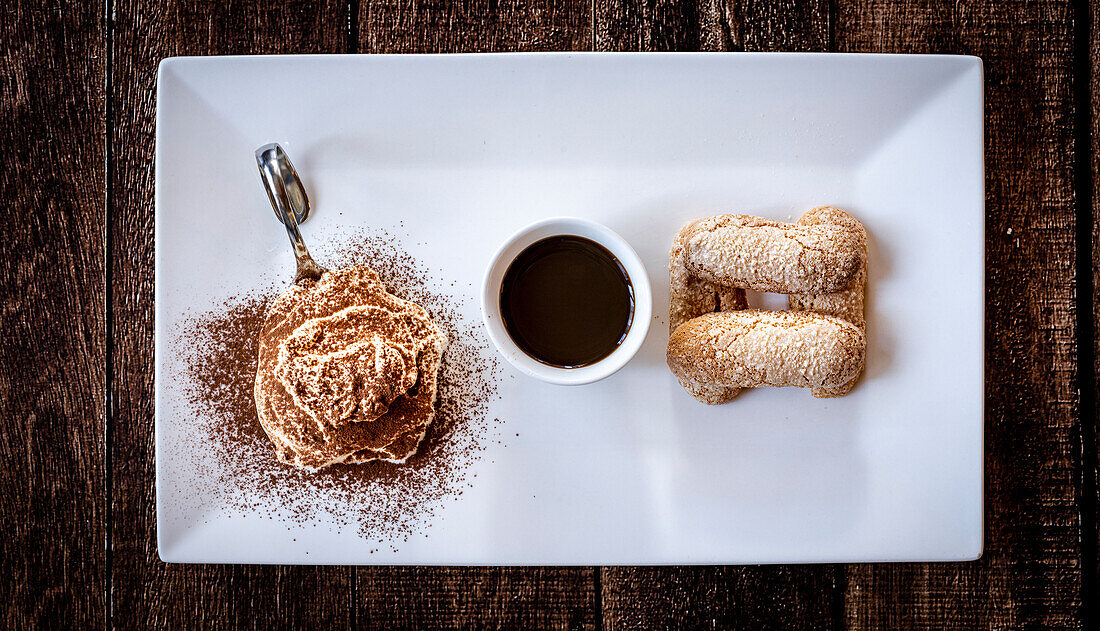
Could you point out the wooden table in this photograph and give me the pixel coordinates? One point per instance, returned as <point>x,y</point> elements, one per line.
<point>76,334</point>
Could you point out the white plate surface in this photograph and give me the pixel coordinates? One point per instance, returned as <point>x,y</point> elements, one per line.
<point>466,149</point>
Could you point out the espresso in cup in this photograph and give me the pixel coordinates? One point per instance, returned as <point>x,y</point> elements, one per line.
<point>566,301</point>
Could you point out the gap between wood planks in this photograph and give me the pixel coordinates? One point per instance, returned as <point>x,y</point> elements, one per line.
<point>1086,360</point>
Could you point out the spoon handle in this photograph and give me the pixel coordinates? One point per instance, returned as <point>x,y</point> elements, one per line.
<point>277,172</point>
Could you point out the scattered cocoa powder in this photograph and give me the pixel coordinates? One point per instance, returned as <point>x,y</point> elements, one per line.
<point>383,501</point>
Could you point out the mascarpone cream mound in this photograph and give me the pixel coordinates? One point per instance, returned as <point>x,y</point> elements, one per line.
<point>347,372</point>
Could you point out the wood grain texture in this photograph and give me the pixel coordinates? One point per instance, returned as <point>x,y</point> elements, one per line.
<point>63,135</point>
<point>769,597</point>
<point>717,597</point>
<point>52,297</point>
<point>441,26</point>
<point>145,591</point>
<point>1089,132</point>
<point>1029,576</point>
<point>497,598</point>
<point>712,25</point>
<point>477,598</point>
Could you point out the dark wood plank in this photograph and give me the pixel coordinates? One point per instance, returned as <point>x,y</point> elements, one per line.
<point>1029,575</point>
<point>717,597</point>
<point>477,598</point>
<point>53,323</point>
<point>440,26</point>
<point>1089,44</point>
<point>445,598</point>
<point>754,597</point>
<point>146,592</point>
<point>712,25</point>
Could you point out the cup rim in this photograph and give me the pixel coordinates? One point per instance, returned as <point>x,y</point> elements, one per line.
<point>571,226</point>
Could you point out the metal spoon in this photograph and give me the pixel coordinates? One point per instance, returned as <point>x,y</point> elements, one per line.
<point>290,203</point>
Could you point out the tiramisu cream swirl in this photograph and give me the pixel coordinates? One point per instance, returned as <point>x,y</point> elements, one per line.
<point>347,371</point>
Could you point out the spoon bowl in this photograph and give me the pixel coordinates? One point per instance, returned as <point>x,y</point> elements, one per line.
<point>290,202</point>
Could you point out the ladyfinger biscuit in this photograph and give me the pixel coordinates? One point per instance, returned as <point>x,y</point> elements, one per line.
<point>752,348</point>
<point>755,253</point>
<point>846,303</point>
<point>690,297</point>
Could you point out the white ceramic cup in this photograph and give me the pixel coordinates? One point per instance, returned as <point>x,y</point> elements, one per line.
<point>556,226</point>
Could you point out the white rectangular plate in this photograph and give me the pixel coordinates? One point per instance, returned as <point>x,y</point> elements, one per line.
<point>465,149</point>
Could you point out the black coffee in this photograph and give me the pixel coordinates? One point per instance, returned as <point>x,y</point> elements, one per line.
<point>567,301</point>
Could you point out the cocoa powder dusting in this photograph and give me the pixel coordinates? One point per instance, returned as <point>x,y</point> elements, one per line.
<point>385,502</point>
